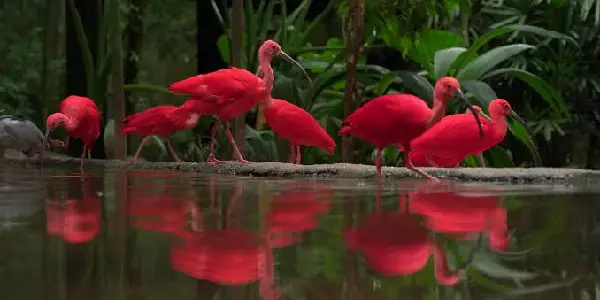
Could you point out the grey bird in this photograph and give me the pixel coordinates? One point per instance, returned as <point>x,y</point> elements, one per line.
<point>21,135</point>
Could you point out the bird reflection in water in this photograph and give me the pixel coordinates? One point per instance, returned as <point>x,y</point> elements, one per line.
<point>228,256</point>
<point>461,215</point>
<point>159,208</point>
<point>394,244</point>
<point>76,220</point>
<point>295,211</point>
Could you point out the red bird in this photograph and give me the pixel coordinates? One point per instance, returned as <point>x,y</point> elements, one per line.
<point>162,121</point>
<point>297,126</point>
<point>229,93</point>
<point>399,118</point>
<point>420,159</point>
<point>455,137</point>
<point>81,119</point>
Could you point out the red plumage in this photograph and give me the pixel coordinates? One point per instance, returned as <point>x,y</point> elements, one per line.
<point>85,111</point>
<point>296,125</point>
<point>388,120</point>
<point>457,136</point>
<point>162,120</point>
<point>80,118</point>
<point>398,119</point>
<point>422,159</point>
<point>225,93</point>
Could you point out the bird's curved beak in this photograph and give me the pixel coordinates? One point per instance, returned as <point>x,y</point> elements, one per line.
<point>485,116</point>
<point>518,118</point>
<point>464,98</point>
<point>295,63</point>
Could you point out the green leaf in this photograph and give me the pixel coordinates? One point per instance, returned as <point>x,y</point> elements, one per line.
<point>471,53</point>
<point>428,42</point>
<point>501,158</point>
<point>161,145</point>
<point>540,288</point>
<point>419,85</point>
<point>443,60</point>
<point>224,48</point>
<point>109,134</point>
<point>523,135</point>
<point>486,62</point>
<point>547,91</point>
<point>481,91</point>
<point>488,264</point>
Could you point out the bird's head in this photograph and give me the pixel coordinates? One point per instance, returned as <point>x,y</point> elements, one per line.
<point>54,121</point>
<point>270,48</point>
<point>446,88</point>
<point>501,107</point>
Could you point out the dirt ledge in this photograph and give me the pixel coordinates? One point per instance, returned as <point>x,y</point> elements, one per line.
<point>339,170</point>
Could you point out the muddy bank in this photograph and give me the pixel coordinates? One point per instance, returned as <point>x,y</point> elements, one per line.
<point>340,170</point>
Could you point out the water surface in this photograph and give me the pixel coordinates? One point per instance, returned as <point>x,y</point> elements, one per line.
<point>139,234</point>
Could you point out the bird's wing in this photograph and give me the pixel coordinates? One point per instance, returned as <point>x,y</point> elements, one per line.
<point>456,134</point>
<point>23,132</point>
<point>220,87</point>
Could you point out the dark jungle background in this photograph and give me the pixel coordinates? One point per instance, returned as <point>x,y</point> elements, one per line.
<point>540,55</point>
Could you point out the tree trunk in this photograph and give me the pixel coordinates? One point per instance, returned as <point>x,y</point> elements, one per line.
<point>120,150</point>
<point>236,60</point>
<point>133,36</point>
<point>354,34</point>
<point>76,80</point>
<point>53,12</point>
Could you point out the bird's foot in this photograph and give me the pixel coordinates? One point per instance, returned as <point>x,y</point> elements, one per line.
<point>212,160</point>
<point>242,160</point>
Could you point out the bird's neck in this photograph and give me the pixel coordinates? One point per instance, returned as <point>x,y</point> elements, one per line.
<point>268,76</point>
<point>69,123</point>
<point>437,112</point>
<point>501,125</point>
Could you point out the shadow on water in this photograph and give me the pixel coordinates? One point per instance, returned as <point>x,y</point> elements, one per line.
<point>135,234</point>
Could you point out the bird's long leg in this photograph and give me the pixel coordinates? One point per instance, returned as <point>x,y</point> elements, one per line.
<point>89,153</point>
<point>139,149</point>
<point>236,150</point>
<point>213,134</point>
<point>298,155</point>
<point>410,166</point>
<point>82,158</point>
<point>481,160</point>
<point>378,162</point>
<point>172,150</point>
<point>66,144</point>
<point>292,153</point>
<point>430,162</point>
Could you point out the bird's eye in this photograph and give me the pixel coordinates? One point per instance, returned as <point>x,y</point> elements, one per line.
<point>450,86</point>
<point>274,47</point>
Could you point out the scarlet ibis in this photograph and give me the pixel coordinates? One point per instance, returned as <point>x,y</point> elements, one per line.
<point>460,214</point>
<point>297,126</point>
<point>162,120</point>
<point>228,93</point>
<point>455,137</point>
<point>420,159</point>
<point>81,119</point>
<point>399,118</point>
